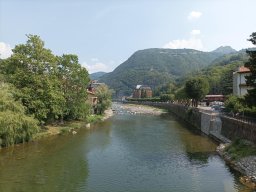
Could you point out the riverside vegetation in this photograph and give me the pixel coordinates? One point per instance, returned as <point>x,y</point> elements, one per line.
<point>218,80</point>
<point>39,88</point>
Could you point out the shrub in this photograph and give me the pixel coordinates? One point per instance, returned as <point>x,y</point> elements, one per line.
<point>241,148</point>
<point>15,125</point>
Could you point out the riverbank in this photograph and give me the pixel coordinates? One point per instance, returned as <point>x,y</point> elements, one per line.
<point>72,126</point>
<point>245,165</point>
<point>211,125</point>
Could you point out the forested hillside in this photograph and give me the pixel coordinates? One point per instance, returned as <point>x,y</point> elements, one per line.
<point>219,73</point>
<point>155,67</point>
<point>97,75</point>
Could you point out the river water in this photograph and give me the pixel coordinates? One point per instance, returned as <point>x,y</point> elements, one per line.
<point>126,153</point>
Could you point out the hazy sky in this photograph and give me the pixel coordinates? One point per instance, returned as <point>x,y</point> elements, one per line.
<point>104,33</point>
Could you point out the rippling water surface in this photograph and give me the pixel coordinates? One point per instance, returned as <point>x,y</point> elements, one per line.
<point>134,153</point>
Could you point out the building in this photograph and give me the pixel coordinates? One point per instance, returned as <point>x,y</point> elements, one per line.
<point>93,86</point>
<point>92,98</point>
<point>211,98</point>
<point>142,91</point>
<point>239,84</point>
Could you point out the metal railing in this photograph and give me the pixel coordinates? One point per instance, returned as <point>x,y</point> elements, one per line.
<point>239,117</point>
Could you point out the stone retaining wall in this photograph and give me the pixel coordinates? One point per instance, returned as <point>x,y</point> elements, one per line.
<point>233,129</point>
<point>219,127</point>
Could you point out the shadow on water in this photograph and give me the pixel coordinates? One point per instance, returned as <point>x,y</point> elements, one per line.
<point>47,165</point>
<point>200,149</point>
<point>57,163</point>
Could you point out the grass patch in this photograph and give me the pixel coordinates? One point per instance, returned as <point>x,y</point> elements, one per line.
<point>67,127</point>
<point>64,130</point>
<point>94,118</point>
<point>60,128</point>
<point>240,148</point>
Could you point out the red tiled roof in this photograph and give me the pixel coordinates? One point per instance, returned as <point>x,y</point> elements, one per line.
<point>243,69</point>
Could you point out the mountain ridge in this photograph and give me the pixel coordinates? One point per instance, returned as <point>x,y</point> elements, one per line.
<point>224,50</point>
<point>97,75</point>
<point>156,66</point>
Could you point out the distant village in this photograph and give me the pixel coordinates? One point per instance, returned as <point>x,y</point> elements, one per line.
<point>239,87</point>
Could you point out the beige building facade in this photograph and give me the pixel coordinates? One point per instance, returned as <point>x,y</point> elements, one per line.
<point>239,83</point>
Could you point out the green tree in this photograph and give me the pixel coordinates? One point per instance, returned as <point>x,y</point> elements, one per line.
<point>251,79</point>
<point>196,89</point>
<point>32,69</point>
<point>226,83</point>
<point>104,98</point>
<point>166,97</point>
<point>15,126</point>
<point>73,81</point>
<point>181,94</point>
<point>182,97</point>
<point>168,88</point>
<point>235,104</point>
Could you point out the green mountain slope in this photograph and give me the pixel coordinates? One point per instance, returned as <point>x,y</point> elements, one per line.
<point>97,75</point>
<point>224,50</point>
<point>220,72</point>
<point>155,67</point>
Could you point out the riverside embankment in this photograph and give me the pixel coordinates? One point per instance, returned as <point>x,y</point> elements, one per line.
<point>212,123</point>
<point>219,127</point>
<point>73,126</point>
<point>206,121</point>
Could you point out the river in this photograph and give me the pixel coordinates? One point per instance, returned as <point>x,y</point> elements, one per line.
<point>126,153</point>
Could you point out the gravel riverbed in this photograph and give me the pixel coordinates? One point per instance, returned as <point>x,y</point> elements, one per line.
<point>136,109</point>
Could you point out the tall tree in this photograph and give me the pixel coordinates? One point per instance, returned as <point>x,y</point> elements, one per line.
<point>32,69</point>
<point>74,81</point>
<point>250,98</point>
<point>196,89</point>
<point>226,85</point>
<point>104,98</point>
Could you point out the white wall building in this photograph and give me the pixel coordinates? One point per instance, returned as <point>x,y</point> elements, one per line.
<point>239,84</point>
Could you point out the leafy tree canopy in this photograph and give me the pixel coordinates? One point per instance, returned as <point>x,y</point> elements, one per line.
<point>196,88</point>
<point>251,79</point>
<point>15,125</point>
<point>73,83</point>
<point>50,87</point>
<point>104,98</point>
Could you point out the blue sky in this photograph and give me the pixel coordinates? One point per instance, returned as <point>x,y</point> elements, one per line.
<point>104,33</point>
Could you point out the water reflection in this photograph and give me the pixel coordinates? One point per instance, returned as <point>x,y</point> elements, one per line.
<point>57,163</point>
<point>125,153</point>
<point>52,165</point>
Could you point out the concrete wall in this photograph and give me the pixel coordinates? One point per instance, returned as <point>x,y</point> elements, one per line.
<point>219,127</point>
<point>233,129</point>
<point>190,115</point>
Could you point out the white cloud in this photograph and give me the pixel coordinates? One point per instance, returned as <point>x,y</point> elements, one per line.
<point>96,65</point>
<point>195,32</point>
<point>194,15</point>
<point>5,50</point>
<point>192,43</point>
